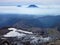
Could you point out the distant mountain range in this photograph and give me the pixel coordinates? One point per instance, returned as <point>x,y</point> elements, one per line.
<point>29,20</point>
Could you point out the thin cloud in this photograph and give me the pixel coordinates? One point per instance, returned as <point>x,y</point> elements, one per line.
<point>45,2</point>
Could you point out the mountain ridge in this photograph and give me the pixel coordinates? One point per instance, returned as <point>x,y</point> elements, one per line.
<point>34,21</point>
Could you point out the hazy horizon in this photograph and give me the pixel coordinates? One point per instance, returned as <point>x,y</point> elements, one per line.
<point>45,7</point>
<point>43,10</point>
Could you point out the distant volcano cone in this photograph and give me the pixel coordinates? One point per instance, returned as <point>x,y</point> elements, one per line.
<point>33,6</point>
<point>19,6</point>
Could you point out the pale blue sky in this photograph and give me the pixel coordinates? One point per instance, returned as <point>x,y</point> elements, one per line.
<point>43,2</point>
<point>45,7</point>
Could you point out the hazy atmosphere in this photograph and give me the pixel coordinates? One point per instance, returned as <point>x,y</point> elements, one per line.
<point>44,2</point>
<point>29,22</point>
<point>44,7</point>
